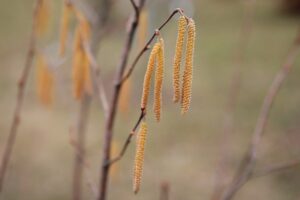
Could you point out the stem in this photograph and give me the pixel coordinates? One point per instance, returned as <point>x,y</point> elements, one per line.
<point>108,134</point>
<point>20,97</point>
<point>246,168</point>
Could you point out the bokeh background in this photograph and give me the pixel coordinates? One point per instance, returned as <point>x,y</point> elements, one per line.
<point>181,150</point>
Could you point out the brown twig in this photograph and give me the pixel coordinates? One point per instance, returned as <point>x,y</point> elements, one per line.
<point>275,168</point>
<point>147,46</point>
<point>164,191</point>
<point>128,140</point>
<point>235,85</point>
<point>109,121</point>
<point>83,162</point>
<point>80,146</point>
<point>20,97</point>
<point>246,168</point>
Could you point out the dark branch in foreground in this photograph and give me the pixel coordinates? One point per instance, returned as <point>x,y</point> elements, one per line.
<point>20,97</point>
<point>247,166</point>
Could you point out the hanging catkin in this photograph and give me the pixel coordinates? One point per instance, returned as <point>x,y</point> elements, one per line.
<point>64,25</point>
<point>143,28</point>
<point>44,81</point>
<point>188,71</point>
<point>42,17</point>
<point>125,97</point>
<point>148,75</point>
<point>159,75</point>
<point>139,157</point>
<point>178,57</point>
<point>77,66</point>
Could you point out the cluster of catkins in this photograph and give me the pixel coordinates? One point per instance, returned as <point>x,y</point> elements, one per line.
<point>182,91</point>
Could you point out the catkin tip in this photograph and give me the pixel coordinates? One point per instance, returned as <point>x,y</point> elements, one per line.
<point>188,71</point>
<point>139,157</point>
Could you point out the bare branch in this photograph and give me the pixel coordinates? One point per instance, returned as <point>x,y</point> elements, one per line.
<point>20,97</point>
<point>147,46</point>
<point>247,166</point>
<point>275,168</point>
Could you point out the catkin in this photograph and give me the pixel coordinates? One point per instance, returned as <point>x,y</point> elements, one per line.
<point>148,75</point>
<point>178,57</point>
<point>139,157</point>
<point>125,96</point>
<point>77,66</point>
<point>159,75</point>
<point>64,25</point>
<point>85,27</point>
<point>42,17</point>
<point>45,81</point>
<point>188,71</point>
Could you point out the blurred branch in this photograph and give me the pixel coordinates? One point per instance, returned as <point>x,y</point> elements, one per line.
<point>275,168</point>
<point>20,97</point>
<point>109,121</point>
<point>246,168</point>
<point>235,85</point>
<point>164,191</point>
<point>79,152</point>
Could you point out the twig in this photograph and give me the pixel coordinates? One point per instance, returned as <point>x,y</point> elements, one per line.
<point>128,140</point>
<point>80,146</point>
<point>233,94</point>
<point>164,191</point>
<point>97,81</point>
<point>109,121</point>
<point>84,163</point>
<point>247,166</point>
<point>20,97</point>
<point>147,46</point>
<point>275,168</point>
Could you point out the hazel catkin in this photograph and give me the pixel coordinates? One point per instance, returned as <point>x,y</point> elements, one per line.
<point>148,75</point>
<point>139,157</point>
<point>188,71</point>
<point>178,57</point>
<point>159,75</point>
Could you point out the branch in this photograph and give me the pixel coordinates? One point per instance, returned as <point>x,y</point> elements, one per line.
<point>275,168</point>
<point>246,168</point>
<point>109,121</point>
<point>79,152</point>
<point>233,94</point>
<point>20,97</point>
<point>147,46</point>
<point>128,140</point>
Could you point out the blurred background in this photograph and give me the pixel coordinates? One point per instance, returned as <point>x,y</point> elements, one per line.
<point>181,150</point>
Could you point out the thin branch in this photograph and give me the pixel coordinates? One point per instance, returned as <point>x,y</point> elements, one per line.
<point>247,165</point>
<point>128,140</point>
<point>20,97</point>
<point>275,168</point>
<point>97,80</point>
<point>80,146</point>
<point>233,94</point>
<point>147,46</point>
<point>109,121</point>
<point>135,7</point>
<point>81,157</point>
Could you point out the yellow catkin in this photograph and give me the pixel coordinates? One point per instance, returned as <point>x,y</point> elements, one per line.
<point>45,81</point>
<point>114,152</point>
<point>84,24</point>
<point>188,71</point>
<point>64,25</point>
<point>148,75</point>
<point>139,157</point>
<point>42,17</point>
<point>178,57</point>
<point>87,75</point>
<point>159,75</point>
<point>125,96</point>
<point>143,28</point>
<point>77,66</point>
